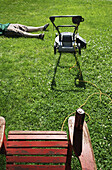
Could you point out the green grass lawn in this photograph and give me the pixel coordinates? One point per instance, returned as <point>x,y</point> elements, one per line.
<point>27,70</point>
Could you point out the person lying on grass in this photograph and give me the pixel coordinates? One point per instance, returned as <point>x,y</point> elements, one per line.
<point>18,30</point>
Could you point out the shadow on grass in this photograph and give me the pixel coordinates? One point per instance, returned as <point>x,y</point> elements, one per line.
<point>2,162</point>
<point>79,75</point>
<point>80,83</point>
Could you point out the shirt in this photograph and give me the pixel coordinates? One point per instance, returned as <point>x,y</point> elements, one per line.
<point>3,27</point>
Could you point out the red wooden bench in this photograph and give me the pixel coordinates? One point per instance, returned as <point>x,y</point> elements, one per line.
<point>42,150</point>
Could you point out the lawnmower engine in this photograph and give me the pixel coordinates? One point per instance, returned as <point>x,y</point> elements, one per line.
<point>64,42</point>
<point>69,42</point>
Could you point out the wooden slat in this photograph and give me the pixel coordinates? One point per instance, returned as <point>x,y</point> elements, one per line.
<point>29,144</point>
<point>37,137</point>
<point>35,159</point>
<point>35,167</point>
<point>37,132</point>
<point>25,151</point>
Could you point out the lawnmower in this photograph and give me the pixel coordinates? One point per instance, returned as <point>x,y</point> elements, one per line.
<point>68,41</point>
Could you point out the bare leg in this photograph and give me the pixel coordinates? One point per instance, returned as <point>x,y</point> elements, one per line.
<point>33,29</point>
<point>29,35</point>
<point>26,34</point>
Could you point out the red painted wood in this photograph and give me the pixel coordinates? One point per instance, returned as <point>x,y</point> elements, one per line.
<point>22,147</point>
<point>40,151</point>
<point>87,158</point>
<point>36,159</point>
<point>37,137</point>
<point>37,132</point>
<point>29,144</point>
<point>35,167</point>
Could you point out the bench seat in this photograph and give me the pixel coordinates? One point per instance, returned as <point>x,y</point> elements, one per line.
<point>36,150</point>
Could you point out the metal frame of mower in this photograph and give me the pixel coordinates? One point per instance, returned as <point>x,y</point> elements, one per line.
<point>68,41</point>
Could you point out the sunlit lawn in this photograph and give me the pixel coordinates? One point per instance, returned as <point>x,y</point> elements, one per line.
<point>28,101</point>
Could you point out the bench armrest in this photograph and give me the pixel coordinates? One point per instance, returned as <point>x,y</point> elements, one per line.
<point>2,131</point>
<point>86,157</point>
